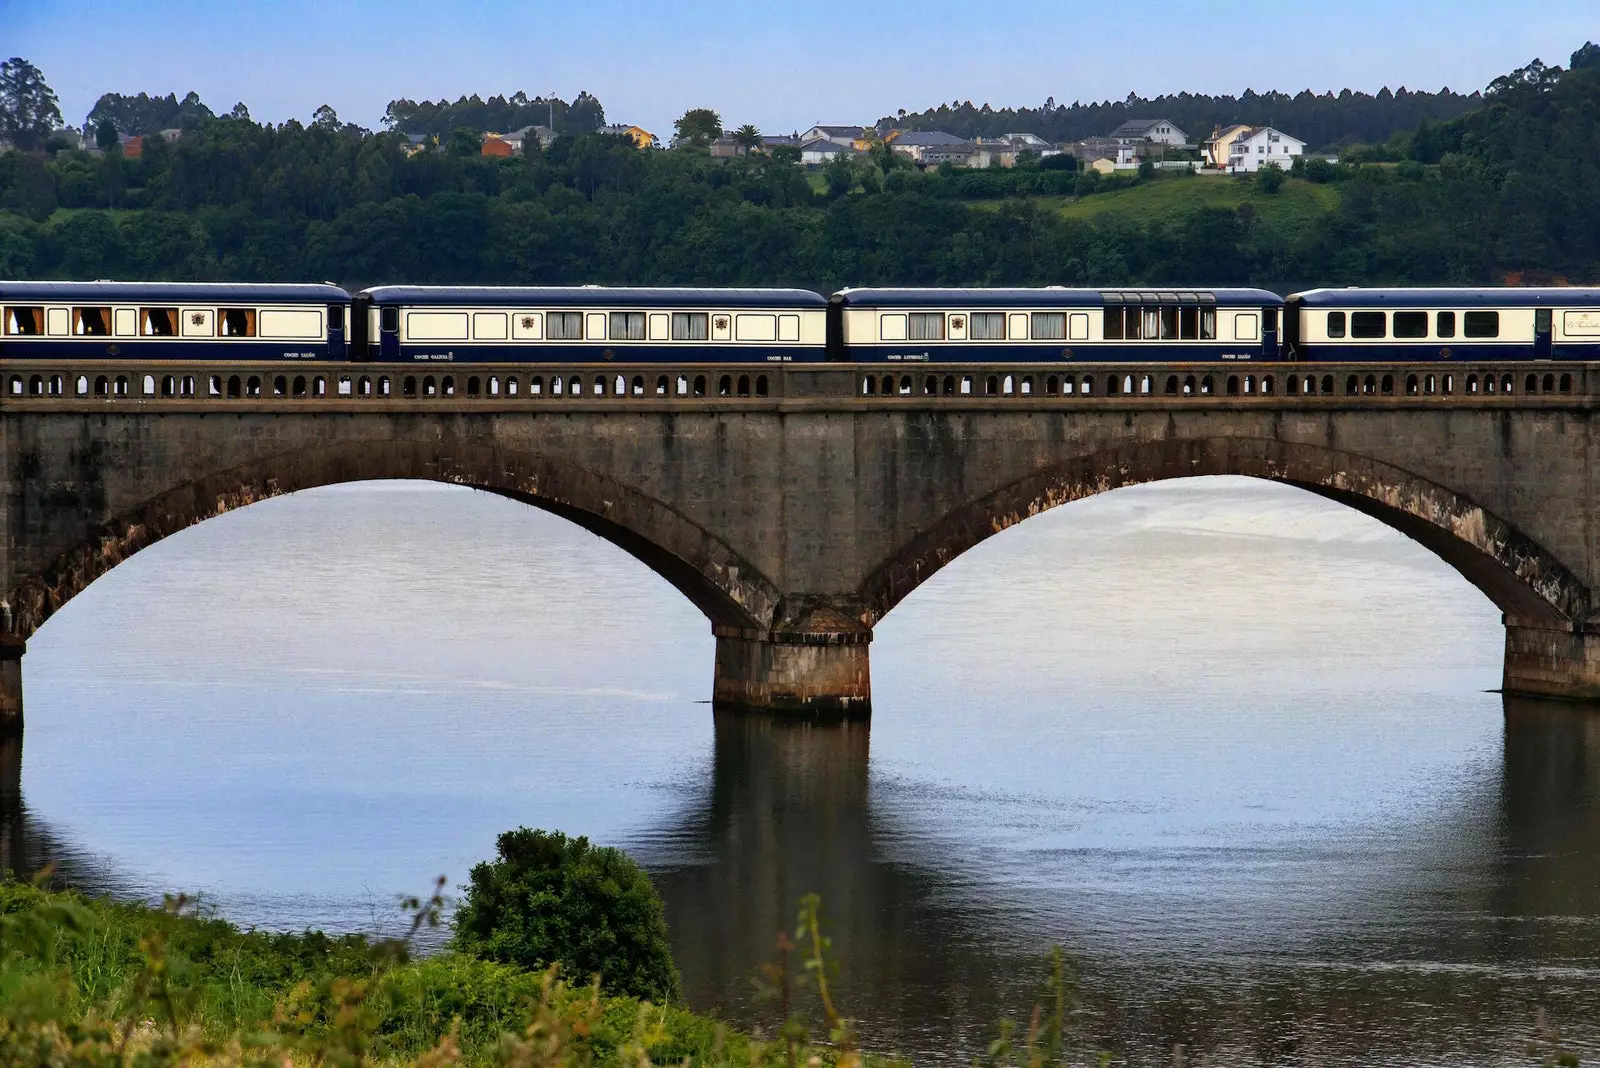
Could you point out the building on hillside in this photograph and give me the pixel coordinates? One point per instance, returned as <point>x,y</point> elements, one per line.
<point>1215,151</point>
<point>781,141</point>
<point>518,139</point>
<point>132,147</point>
<point>414,143</point>
<point>1157,131</point>
<point>932,147</point>
<point>640,137</point>
<point>844,135</point>
<point>1030,141</point>
<point>1099,164</point>
<point>496,146</point>
<point>1261,145</point>
<point>1120,154</point>
<point>823,150</point>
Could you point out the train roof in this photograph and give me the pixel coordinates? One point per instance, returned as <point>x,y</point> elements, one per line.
<point>179,292</point>
<point>1445,297</point>
<point>597,296</point>
<point>1050,297</point>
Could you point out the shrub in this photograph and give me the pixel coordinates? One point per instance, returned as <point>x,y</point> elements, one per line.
<point>1270,178</point>
<point>549,899</point>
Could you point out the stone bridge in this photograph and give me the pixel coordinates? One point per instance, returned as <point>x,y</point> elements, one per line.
<point>797,505</point>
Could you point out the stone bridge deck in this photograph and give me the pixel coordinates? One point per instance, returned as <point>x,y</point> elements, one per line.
<point>797,504</point>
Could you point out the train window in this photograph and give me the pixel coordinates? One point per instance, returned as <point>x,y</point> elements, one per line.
<point>1132,324</point>
<point>91,322</point>
<point>1336,324</point>
<point>1050,326</point>
<point>892,328</point>
<point>1189,323</point>
<point>158,322</point>
<point>1480,324</point>
<point>336,317</point>
<point>1246,327</point>
<point>389,320</point>
<point>1208,324</point>
<point>1410,324</point>
<point>925,326</point>
<point>1111,327</point>
<point>241,322</point>
<point>788,328</point>
<point>563,325</point>
<point>691,326</point>
<point>1542,318</point>
<point>304,323</point>
<point>628,326</point>
<point>1078,326</point>
<point>764,327</point>
<point>24,322</point>
<point>1369,324</point>
<point>1444,324</point>
<point>490,326</point>
<point>987,326</point>
<point>1151,323</point>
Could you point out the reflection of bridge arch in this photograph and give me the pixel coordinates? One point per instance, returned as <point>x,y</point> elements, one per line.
<point>1513,571</point>
<point>727,589</point>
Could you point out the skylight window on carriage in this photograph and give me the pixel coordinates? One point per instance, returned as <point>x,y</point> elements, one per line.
<point>1049,326</point>
<point>91,322</point>
<point>925,326</point>
<point>563,325</point>
<point>691,326</point>
<point>628,326</point>
<point>237,322</point>
<point>24,322</point>
<point>1480,324</point>
<point>158,322</point>
<point>986,326</point>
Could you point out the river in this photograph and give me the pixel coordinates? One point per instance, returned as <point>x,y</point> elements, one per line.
<point>1228,745</point>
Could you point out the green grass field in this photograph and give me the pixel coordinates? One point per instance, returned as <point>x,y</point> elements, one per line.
<point>1298,202</point>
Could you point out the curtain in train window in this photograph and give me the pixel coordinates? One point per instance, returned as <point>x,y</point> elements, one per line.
<point>628,326</point>
<point>1049,326</point>
<point>91,322</point>
<point>925,326</point>
<point>691,326</point>
<point>563,325</point>
<point>986,326</point>
<point>25,322</point>
<point>158,322</point>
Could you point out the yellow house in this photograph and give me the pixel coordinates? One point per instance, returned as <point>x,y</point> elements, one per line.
<point>640,137</point>
<point>1216,147</point>
<point>1102,166</point>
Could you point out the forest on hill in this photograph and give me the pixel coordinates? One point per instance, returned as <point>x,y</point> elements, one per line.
<point>1507,189</point>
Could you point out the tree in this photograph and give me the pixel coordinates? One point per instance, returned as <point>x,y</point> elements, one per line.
<point>105,135</point>
<point>747,137</point>
<point>325,118</point>
<point>465,141</point>
<point>697,126</point>
<point>28,108</point>
<point>549,899</point>
<point>840,174</point>
<point>1270,178</point>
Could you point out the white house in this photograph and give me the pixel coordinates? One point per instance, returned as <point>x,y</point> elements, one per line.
<point>1159,131</point>
<point>823,150</point>
<point>1252,150</point>
<point>842,135</point>
<point>933,146</point>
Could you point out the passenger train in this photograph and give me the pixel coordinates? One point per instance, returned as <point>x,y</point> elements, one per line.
<point>595,324</point>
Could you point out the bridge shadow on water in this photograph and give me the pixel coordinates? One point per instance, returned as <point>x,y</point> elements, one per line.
<point>931,956</point>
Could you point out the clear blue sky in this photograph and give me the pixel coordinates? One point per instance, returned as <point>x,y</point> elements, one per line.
<point>779,66</point>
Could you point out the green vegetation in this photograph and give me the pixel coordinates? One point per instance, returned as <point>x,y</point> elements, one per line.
<point>1509,190</point>
<point>549,899</point>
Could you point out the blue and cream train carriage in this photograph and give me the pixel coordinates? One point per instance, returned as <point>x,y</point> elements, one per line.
<point>1052,324</point>
<point>172,321</point>
<point>1326,325</point>
<point>592,324</point>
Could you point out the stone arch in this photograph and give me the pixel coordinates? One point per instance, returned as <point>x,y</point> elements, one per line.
<point>701,566</point>
<point>1513,571</point>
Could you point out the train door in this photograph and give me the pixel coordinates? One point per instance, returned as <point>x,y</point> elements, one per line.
<point>1542,319</point>
<point>336,331</point>
<point>1269,333</point>
<point>389,333</point>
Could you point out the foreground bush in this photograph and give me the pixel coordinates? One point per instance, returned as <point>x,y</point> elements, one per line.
<point>549,899</point>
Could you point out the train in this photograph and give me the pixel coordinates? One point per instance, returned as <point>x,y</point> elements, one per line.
<point>594,324</point>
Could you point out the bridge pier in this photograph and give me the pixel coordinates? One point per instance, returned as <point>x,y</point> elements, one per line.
<point>11,650</point>
<point>818,675</point>
<point>1552,659</point>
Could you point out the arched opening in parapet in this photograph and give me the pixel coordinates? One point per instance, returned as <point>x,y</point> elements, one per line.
<point>1213,585</point>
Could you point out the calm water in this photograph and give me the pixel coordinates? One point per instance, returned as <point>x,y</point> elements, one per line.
<point>1226,743</point>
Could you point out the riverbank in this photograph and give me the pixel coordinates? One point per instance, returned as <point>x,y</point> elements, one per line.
<point>92,981</point>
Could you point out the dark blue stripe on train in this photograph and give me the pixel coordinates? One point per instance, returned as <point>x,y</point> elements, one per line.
<point>1434,351</point>
<point>100,348</point>
<point>1063,353</point>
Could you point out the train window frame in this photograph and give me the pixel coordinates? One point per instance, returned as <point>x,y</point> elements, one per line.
<point>892,327</point>
<point>1078,326</point>
<point>1111,323</point>
<point>102,313</point>
<point>1246,326</point>
<point>594,325</point>
<point>1054,325</point>
<point>1169,322</point>
<point>758,326</point>
<point>1017,326</point>
<point>1132,323</point>
<point>1480,324</point>
<point>1544,321</point>
<point>445,324</point>
<point>125,321</point>
<point>165,315</point>
<point>660,326</point>
<point>691,326</point>
<point>986,326</point>
<point>388,320</point>
<point>230,319</point>
<point>19,315</point>
<point>789,327</point>
<point>1208,324</point>
<point>628,326</point>
<point>490,326</point>
<point>1444,325</point>
<point>1150,322</point>
<point>925,326</point>
<point>1336,325</point>
<point>563,325</point>
<point>1369,325</point>
<point>1410,325</point>
<point>1189,323</point>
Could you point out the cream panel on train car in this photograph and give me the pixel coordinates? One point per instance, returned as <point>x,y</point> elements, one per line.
<point>489,326</point>
<point>125,321</point>
<point>660,326</point>
<point>1078,326</point>
<point>527,325</point>
<point>755,327</point>
<point>1581,323</point>
<point>892,327</point>
<point>813,328</point>
<point>595,326</point>
<point>199,322</point>
<point>299,324</point>
<point>1246,326</point>
<point>426,325</point>
<point>1017,326</point>
<point>721,326</point>
<point>58,321</point>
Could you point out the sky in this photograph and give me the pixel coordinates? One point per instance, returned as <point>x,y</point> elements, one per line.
<point>782,67</point>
